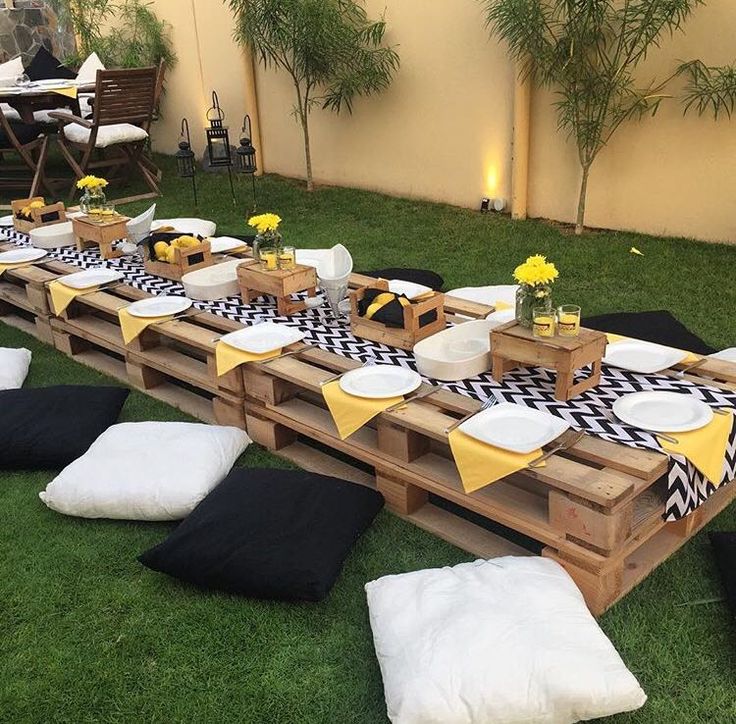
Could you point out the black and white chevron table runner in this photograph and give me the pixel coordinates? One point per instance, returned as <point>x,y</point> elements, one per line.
<point>534,387</point>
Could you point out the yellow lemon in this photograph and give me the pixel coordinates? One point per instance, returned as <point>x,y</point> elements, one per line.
<point>186,242</point>
<point>160,249</point>
<point>171,255</point>
<point>37,204</point>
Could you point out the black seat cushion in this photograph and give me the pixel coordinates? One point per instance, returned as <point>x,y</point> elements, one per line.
<point>24,132</point>
<point>46,428</point>
<point>417,276</point>
<point>268,533</point>
<point>724,550</point>
<point>658,327</point>
<point>44,66</point>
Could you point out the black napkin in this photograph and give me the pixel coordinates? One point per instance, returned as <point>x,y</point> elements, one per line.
<point>391,311</point>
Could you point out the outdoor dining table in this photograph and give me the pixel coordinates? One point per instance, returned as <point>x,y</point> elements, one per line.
<point>26,101</point>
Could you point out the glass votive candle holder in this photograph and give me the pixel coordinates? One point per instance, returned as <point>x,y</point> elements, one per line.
<point>269,259</point>
<point>287,258</point>
<point>107,211</point>
<point>95,213</point>
<point>568,320</point>
<point>543,322</point>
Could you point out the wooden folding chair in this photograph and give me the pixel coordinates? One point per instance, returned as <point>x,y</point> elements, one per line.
<point>31,152</point>
<point>123,108</point>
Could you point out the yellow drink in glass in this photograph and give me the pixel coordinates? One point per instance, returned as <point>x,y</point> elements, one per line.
<point>568,320</point>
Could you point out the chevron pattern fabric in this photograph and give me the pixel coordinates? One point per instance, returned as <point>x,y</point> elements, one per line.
<point>534,387</point>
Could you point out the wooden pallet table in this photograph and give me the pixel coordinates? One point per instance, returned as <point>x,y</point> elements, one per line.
<point>596,508</point>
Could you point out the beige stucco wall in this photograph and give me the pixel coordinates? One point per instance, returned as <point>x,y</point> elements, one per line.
<point>443,130</point>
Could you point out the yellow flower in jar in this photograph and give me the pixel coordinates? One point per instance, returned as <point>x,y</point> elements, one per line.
<point>265,222</point>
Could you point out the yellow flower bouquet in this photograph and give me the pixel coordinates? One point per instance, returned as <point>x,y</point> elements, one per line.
<point>535,277</point>
<point>268,238</point>
<point>93,198</point>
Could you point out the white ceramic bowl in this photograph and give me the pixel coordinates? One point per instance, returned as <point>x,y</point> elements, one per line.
<point>456,353</point>
<point>53,236</point>
<point>213,282</point>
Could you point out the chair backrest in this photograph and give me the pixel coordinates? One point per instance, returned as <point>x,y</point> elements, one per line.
<point>125,96</point>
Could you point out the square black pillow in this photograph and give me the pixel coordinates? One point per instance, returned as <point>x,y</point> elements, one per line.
<point>265,533</point>
<point>44,66</point>
<point>658,327</point>
<point>724,549</point>
<point>46,428</point>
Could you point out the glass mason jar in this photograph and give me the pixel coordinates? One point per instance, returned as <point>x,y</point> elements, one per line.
<point>92,201</point>
<point>268,240</point>
<point>529,298</point>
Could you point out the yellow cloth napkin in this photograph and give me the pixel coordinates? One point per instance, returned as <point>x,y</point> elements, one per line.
<point>228,358</point>
<point>704,448</point>
<point>17,265</point>
<point>62,295</point>
<point>500,306</point>
<point>691,358</point>
<point>69,91</point>
<point>480,464</point>
<point>132,326</point>
<point>349,412</point>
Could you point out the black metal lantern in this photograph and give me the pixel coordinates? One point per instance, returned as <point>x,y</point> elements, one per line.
<point>185,157</point>
<point>218,141</point>
<point>245,155</point>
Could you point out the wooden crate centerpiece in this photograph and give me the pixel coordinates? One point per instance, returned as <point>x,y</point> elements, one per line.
<point>255,281</point>
<point>182,260</point>
<point>515,346</point>
<point>91,232</point>
<point>421,319</point>
<point>42,214</point>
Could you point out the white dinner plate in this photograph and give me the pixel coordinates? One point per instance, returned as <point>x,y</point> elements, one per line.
<point>262,338</point>
<point>409,289</point>
<point>90,278</point>
<point>161,306</point>
<point>222,244</point>
<point>517,428</point>
<point>662,411</point>
<point>380,381</point>
<point>642,357</point>
<point>6,220</point>
<point>16,256</point>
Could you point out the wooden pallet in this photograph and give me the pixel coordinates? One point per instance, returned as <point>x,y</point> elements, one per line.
<point>597,508</point>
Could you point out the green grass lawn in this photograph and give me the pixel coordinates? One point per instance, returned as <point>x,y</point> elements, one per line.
<point>88,635</point>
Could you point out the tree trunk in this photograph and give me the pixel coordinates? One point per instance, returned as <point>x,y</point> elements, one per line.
<point>580,221</point>
<point>304,113</point>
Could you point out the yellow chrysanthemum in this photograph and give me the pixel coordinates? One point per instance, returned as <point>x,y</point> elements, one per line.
<point>265,222</point>
<point>536,271</point>
<point>91,182</point>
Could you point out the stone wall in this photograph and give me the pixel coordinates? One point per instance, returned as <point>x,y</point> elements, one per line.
<point>31,24</point>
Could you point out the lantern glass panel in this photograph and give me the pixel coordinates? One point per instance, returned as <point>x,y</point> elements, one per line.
<point>218,147</point>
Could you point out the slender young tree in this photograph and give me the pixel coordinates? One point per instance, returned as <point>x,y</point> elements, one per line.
<point>330,48</point>
<point>587,52</point>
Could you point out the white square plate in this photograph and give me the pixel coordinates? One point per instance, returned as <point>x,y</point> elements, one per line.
<point>262,338</point>
<point>17,256</point>
<point>662,411</point>
<point>378,382</point>
<point>161,306</point>
<point>90,278</point>
<point>645,358</point>
<point>513,427</point>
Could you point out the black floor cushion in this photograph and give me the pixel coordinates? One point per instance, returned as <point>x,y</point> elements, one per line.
<point>265,533</point>
<point>45,65</point>
<point>659,327</point>
<point>724,549</point>
<point>46,428</point>
<point>417,276</point>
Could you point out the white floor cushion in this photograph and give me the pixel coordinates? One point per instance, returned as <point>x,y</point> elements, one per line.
<point>506,640</point>
<point>198,227</point>
<point>487,295</point>
<point>14,364</point>
<point>728,355</point>
<point>146,471</point>
<point>106,135</point>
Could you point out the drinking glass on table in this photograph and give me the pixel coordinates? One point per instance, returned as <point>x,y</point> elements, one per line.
<point>543,322</point>
<point>269,259</point>
<point>287,258</point>
<point>23,81</point>
<point>107,211</point>
<point>568,320</point>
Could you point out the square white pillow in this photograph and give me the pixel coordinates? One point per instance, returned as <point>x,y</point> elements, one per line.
<point>14,364</point>
<point>146,471</point>
<point>88,70</point>
<point>505,640</point>
<point>11,69</point>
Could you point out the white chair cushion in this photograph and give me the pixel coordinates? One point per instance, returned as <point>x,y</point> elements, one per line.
<point>729,355</point>
<point>88,70</point>
<point>14,364</point>
<point>85,104</point>
<point>198,227</point>
<point>487,295</point>
<point>39,116</point>
<point>9,112</point>
<point>106,135</point>
<point>506,640</point>
<point>146,471</point>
